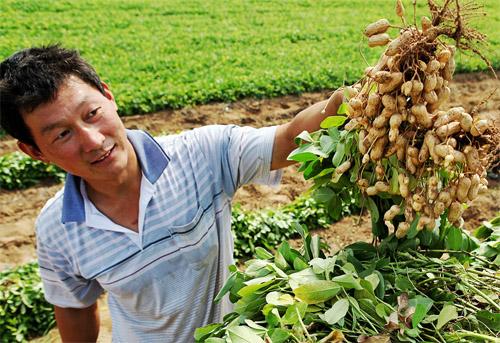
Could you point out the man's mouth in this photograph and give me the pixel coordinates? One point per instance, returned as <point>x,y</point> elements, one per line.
<point>103,157</point>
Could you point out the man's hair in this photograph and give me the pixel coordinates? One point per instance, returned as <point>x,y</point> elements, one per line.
<point>32,77</point>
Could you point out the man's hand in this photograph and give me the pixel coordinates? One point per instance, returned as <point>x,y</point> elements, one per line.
<point>308,120</point>
<point>78,324</point>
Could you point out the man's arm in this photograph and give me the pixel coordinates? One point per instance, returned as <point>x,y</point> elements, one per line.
<point>308,120</point>
<point>78,324</point>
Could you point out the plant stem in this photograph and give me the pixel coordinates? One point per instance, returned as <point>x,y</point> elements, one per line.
<point>478,291</point>
<point>430,337</point>
<point>464,333</point>
<point>466,304</point>
<point>434,279</point>
<point>303,326</point>
<point>488,275</point>
<point>461,252</point>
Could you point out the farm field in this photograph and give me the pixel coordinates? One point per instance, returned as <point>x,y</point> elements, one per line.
<point>176,65</point>
<point>172,53</point>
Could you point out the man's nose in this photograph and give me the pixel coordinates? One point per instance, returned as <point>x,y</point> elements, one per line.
<point>91,138</point>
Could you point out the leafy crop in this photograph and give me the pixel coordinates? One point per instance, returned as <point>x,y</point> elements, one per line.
<point>268,228</point>
<point>18,171</point>
<point>172,53</point>
<point>364,293</point>
<point>24,313</point>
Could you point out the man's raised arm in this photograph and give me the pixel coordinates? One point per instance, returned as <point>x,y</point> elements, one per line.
<point>308,120</point>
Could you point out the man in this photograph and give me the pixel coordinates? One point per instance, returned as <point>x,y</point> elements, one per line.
<point>145,219</point>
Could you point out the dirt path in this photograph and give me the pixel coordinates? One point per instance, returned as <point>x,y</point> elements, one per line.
<point>18,209</point>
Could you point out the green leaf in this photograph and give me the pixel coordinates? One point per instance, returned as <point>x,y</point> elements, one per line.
<point>279,299</point>
<point>305,136</point>
<point>430,318</point>
<point>394,183</point>
<point>280,261</point>
<point>448,313</point>
<point>372,207</point>
<point>263,280</point>
<point>403,283</point>
<point>317,291</point>
<point>227,286</point>
<point>215,340</point>
<point>323,265</point>
<point>313,169</point>
<point>380,290</point>
<point>324,172</point>
<point>373,279</point>
<point>302,277</point>
<point>327,144</point>
<point>332,121</point>
<point>382,310</point>
<point>422,306</point>
<point>339,155</point>
<point>315,246</point>
<point>413,232</point>
<point>258,329</point>
<point>203,332</point>
<point>243,334</point>
<point>293,312</point>
<point>334,133</point>
<point>490,319</point>
<point>453,240</point>
<point>288,253</point>
<point>263,254</point>
<point>306,152</point>
<point>342,108</point>
<point>299,263</point>
<point>279,336</point>
<point>363,251</point>
<point>324,194</point>
<point>348,281</point>
<point>336,312</point>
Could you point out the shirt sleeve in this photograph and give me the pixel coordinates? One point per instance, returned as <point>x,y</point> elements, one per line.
<point>61,286</point>
<point>239,155</point>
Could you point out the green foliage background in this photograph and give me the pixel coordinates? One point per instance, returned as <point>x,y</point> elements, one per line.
<point>24,313</point>
<point>172,53</point>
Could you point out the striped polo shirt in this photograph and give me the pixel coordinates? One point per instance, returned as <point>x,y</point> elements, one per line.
<point>162,280</point>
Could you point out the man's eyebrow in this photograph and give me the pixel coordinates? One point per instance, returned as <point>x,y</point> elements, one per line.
<point>52,126</point>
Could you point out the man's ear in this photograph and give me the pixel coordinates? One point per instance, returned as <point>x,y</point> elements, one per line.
<point>107,91</point>
<point>32,151</point>
<point>108,94</point>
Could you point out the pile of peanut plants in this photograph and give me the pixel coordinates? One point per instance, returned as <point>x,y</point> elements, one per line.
<point>394,149</point>
<point>366,293</point>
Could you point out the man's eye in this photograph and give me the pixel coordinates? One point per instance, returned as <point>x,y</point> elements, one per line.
<point>62,134</point>
<point>95,112</point>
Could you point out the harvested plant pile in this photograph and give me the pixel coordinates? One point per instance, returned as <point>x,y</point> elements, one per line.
<point>394,149</point>
<point>363,294</point>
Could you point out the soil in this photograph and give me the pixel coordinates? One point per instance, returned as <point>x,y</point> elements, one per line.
<point>18,209</point>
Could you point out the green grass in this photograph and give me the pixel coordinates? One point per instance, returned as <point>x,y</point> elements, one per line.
<point>169,54</point>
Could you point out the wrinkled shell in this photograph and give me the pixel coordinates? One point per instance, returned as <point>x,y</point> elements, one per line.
<point>380,26</point>
<point>380,39</point>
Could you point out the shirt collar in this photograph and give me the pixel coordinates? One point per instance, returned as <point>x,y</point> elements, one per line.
<point>153,161</point>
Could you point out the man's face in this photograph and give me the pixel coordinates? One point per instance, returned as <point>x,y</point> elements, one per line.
<point>80,131</point>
